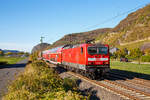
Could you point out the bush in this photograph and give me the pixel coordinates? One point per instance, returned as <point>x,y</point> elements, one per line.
<point>3,62</point>
<point>69,84</point>
<point>34,56</point>
<point>40,82</point>
<point>145,58</point>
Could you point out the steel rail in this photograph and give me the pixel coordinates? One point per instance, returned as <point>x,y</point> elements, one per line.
<point>135,80</point>
<point>129,88</point>
<point>124,94</point>
<point>131,81</point>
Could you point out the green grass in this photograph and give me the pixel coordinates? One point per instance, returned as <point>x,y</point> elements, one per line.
<point>142,68</point>
<point>11,60</point>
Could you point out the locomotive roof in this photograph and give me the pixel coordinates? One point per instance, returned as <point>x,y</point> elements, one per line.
<point>54,50</point>
<point>78,45</point>
<point>57,49</point>
<point>72,46</point>
<point>98,44</point>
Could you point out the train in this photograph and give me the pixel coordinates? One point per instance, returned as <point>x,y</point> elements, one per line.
<point>90,60</point>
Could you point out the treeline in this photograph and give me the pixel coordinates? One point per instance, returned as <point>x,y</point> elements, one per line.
<point>132,54</point>
<point>14,54</point>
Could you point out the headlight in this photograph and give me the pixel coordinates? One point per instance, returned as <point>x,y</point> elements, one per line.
<point>89,63</point>
<point>106,62</point>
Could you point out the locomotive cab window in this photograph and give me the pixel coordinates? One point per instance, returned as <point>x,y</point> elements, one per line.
<point>81,50</point>
<point>102,50</point>
<point>92,50</point>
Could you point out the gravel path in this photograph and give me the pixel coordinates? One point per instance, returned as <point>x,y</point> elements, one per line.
<point>8,73</point>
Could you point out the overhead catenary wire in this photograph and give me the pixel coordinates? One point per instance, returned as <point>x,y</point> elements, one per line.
<point>114,17</point>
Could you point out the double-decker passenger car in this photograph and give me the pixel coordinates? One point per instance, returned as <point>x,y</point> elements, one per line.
<point>91,60</point>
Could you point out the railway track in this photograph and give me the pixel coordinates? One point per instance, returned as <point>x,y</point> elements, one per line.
<point>146,82</point>
<point>119,89</point>
<point>132,84</point>
<point>137,81</point>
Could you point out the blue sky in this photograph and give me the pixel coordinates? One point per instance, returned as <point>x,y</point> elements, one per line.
<point>23,22</point>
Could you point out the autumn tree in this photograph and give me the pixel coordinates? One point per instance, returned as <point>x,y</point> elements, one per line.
<point>121,53</point>
<point>136,53</point>
<point>8,53</point>
<point>1,53</point>
<point>21,53</point>
<point>27,54</point>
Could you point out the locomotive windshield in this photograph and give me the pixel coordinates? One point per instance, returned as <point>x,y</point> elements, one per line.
<point>97,50</point>
<point>102,50</point>
<point>92,50</point>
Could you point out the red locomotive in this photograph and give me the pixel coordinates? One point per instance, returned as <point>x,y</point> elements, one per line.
<point>88,59</point>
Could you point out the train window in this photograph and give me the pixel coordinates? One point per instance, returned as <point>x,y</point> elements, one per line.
<point>81,50</point>
<point>92,50</point>
<point>102,50</point>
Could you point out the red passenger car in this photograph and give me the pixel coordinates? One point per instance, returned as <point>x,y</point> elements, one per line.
<point>53,55</point>
<point>45,54</point>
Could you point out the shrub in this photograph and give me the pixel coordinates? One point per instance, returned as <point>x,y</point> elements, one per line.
<point>69,84</point>
<point>145,58</point>
<point>40,82</point>
<point>34,56</point>
<point>1,53</point>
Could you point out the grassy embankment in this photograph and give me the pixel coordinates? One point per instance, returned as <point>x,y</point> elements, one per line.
<point>10,60</point>
<point>138,68</point>
<point>38,82</point>
<point>133,45</point>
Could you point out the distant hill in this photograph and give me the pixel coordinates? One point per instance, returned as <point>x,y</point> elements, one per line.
<point>13,51</point>
<point>40,47</point>
<point>132,32</point>
<point>145,46</point>
<point>76,38</point>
